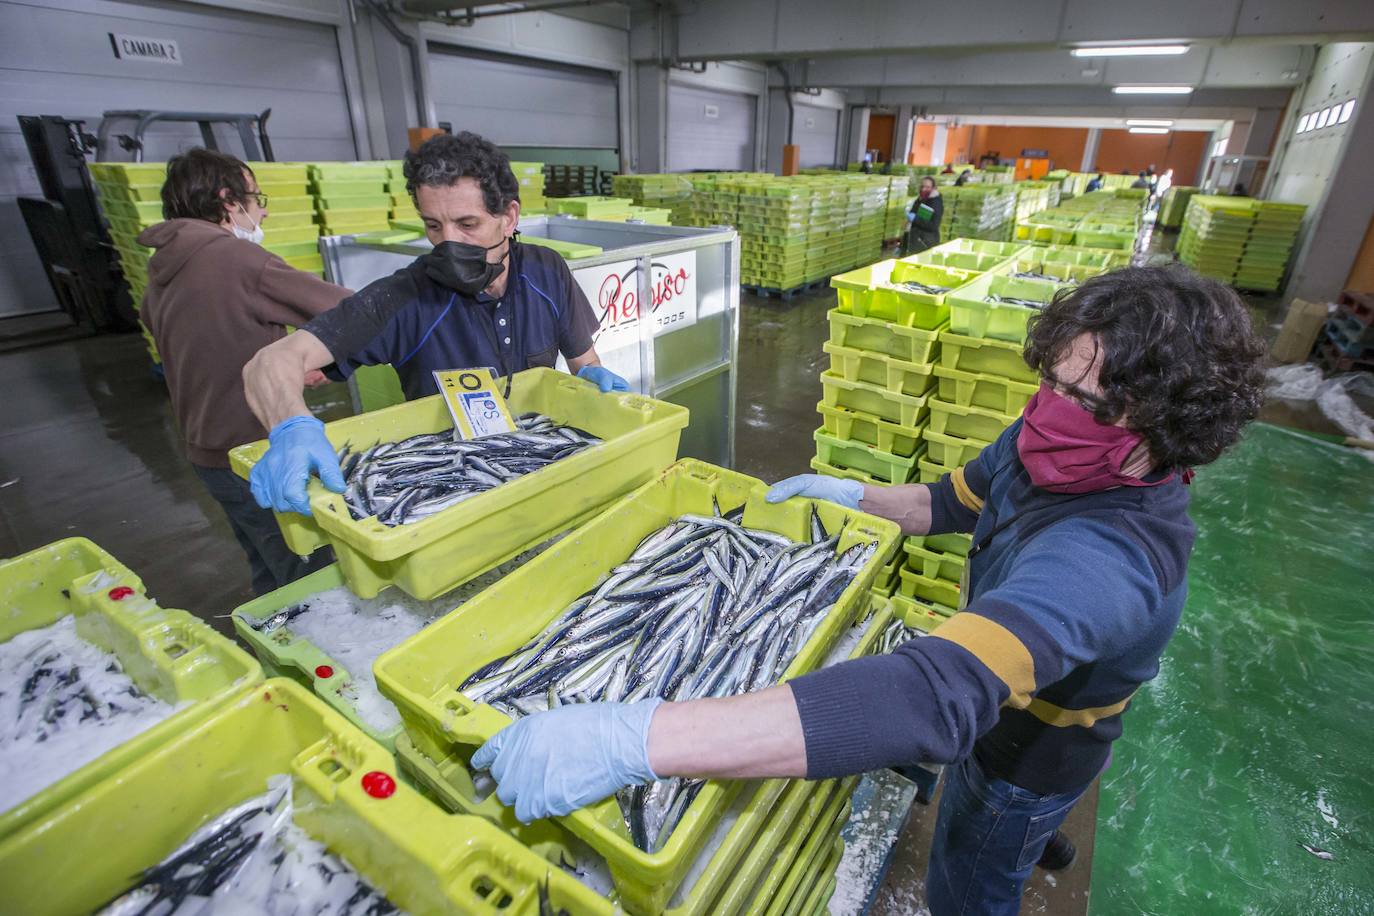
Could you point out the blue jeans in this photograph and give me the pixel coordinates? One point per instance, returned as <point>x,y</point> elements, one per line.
<point>988,837</point>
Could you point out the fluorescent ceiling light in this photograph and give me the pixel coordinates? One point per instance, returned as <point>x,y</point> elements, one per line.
<point>1346,110</point>
<point>1131,51</point>
<point>1152,90</point>
<point>1149,122</point>
<point>1149,130</point>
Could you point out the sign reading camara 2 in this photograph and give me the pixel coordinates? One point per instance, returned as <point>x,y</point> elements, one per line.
<point>614,291</point>
<point>136,47</point>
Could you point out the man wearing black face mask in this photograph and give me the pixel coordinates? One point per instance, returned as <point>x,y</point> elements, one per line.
<point>479,299</point>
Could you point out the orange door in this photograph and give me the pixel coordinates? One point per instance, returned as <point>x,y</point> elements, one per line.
<point>880,130</point>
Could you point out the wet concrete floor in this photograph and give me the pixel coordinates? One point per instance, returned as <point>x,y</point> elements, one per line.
<point>88,447</point>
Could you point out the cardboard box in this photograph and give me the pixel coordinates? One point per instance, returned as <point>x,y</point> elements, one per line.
<point>1299,332</point>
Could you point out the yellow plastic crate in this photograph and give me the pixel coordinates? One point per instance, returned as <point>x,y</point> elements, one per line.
<point>915,345</point>
<point>428,557</point>
<point>968,422</point>
<point>950,452</point>
<point>983,389</point>
<point>422,675</point>
<point>424,860</point>
<point>168,654</point>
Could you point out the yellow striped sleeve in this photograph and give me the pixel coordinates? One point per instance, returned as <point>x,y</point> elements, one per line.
<point>1086,718</point>
<point>964,493</point>
<point>997,648</point>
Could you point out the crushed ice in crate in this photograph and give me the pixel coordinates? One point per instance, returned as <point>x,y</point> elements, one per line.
<point>63,703</point>
<point>251,859</point>
<point>354,631</point>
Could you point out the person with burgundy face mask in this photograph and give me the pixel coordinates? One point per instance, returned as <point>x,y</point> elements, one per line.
<point>925,215</point>
<point>479,299</point>
<point>1075,583</point>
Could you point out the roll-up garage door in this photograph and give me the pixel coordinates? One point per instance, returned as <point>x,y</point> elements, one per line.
<point>59,59</point>
<point>708,129</point>
<point>515,102</point>
<point>814,131</point>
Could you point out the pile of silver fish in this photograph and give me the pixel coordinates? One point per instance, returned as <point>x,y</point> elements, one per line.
<point>1036,275</point>
<point>1012,300</point>
<point>918,287</point>
<point>251,859</point>
<point>894,635</point>
<point>402,482</point>
<point>702,608</point>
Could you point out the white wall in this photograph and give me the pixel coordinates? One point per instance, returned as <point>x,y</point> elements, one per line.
<point>1341,72</point>
<point>649,91</point>
<point>825,113</point>
<point>1329,169</point>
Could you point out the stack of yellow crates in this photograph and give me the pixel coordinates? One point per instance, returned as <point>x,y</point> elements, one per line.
<point>290,230</point>
<point>351,197</point>
<point>530,175</point>
<point>130,193</point>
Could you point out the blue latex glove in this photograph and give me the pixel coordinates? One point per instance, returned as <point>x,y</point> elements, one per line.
<point>297,447</point>
<point>554,762</point>
<point>846,493</point>
<point>605,379</point>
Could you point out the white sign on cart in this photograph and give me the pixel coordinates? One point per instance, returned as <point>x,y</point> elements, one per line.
<point>616,292</point>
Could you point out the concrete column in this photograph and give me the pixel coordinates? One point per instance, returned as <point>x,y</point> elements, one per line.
<point>858,133</point>
<point>1262,130</point>
<point>1336,227</point>
<point>649,133</point>
<point>1090,149</point>
<point>939,144</point>
<point>901,142</point>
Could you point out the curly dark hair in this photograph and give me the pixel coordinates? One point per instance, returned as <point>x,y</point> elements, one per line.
<point>195,179</point>
<point>1180,358</point>
<point>441,161</point>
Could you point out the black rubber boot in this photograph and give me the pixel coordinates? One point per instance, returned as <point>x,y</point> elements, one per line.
<point>1059,852</point>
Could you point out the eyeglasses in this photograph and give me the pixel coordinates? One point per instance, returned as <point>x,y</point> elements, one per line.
<point>260,197</point>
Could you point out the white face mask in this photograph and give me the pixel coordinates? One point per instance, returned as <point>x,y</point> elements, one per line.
<point>255,235</point>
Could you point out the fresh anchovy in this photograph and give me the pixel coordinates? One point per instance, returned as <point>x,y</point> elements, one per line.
<point>703,607</point>
<point>1033,275</point>
<point>268,624</point>
<point>894,635</point>
<point>402,482</point>
<point>251,858</point>
<point>1012,300</point>
<point>915,286</point>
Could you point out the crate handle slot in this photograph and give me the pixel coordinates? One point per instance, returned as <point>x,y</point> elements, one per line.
<point>493,893</point>
<point>175,649</point>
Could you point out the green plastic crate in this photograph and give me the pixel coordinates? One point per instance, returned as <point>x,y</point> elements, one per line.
<point>878,369</point>
<point>428,557</point>
<point>971,315</point>
<point>951,452</point>
<point>424,860</point>
<point>843,423</point>
<point>934,564</point>
<point>348,171</point>
<point>983,389</point>
<point>886,467</point>
<point>925,588</point>
<point>571,251</point>
<point>170,654</point>
<point>893,406</point>
<point>919,613</point>
<point>987,355</point>
<point>422,675</point>
<point>968,422</point>
<point>958,544</point>
<point>868,292</point>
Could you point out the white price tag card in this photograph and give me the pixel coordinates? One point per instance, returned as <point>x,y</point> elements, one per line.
<point>477,406</point>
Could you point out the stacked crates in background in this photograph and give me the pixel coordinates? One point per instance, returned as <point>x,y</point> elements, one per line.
<point>1032,197</point>
<point>569,180</point>
<point>530,175</point>
<point>978,211</point>
<point>899,201</point>
<point>350,198</point>
<point>658,191</point>
<point>1174,204</point>
<point>774,224</point>
<point>1273,235</point>
<point>1213,235</point>
<point>130,194</point>
<point>290,230</point>
<point>1347,341</point>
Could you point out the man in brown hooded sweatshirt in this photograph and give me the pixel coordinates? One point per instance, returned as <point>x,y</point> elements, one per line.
<point>215,297</point>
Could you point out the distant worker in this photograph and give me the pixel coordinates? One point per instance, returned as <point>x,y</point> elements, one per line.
<point>1240,191</point>
<point>948,170</point>
<point>963,178</point>
<point>1096,183</point>
<point>1142,181</point>
<point>925,215</point>
<point>215,297</point>
<point>479,299</point>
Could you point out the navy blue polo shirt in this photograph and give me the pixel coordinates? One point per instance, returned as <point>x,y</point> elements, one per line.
<point>419,326</point>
